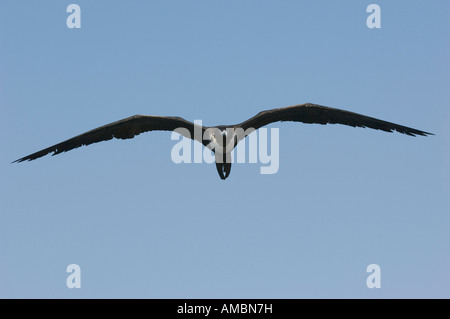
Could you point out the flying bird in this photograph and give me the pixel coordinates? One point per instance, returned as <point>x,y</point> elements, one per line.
<point>223,138</point>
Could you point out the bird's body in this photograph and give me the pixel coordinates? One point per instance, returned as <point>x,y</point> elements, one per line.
<point>222,139</point>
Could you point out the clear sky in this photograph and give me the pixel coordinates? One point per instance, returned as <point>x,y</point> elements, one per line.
<point>141,226</point>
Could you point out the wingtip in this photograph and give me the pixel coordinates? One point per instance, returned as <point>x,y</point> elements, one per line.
<point>423,133</point>
<point>18,160</point>
<point>23,159</point>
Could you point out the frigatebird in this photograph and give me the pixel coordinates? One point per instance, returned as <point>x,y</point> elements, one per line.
<point>223,138</point>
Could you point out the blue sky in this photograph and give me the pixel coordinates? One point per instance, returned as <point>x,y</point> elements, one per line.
<point>141,226</point>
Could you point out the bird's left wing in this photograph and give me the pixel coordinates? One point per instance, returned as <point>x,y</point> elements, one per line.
<point>123,129</point>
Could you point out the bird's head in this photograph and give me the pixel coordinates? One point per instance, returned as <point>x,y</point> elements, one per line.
<point>222,137</point>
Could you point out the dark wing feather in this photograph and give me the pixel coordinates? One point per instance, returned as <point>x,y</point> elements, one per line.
<point>317,114</point>
<point>123,129</point>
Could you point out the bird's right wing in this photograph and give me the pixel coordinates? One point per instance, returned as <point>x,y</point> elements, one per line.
<point>123,129</point>
<point>317,114</point>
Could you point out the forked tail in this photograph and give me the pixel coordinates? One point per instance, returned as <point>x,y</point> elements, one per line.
<point>223,169</point>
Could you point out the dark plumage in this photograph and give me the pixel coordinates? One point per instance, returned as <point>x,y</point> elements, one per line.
<point>306,113</point>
